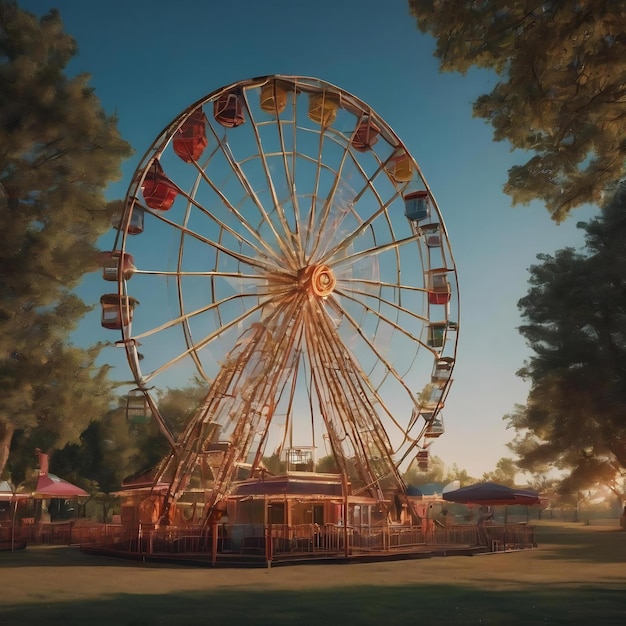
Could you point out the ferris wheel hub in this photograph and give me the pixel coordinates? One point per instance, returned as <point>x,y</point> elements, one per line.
<point>318,280</point>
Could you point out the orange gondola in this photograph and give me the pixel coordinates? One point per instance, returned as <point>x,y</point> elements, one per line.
<point>400,166</point>
<point>273,98</point>
<point>323,108</point>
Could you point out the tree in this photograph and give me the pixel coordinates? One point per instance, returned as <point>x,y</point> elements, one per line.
<point>274,465</point>
<point>434,473</point>
<point>562,95</point>
<point>575,324</point>
<point>456,473</point>
<point>504,474</point>
<point>176,407</point>
<point>101,459</point>
<point>68,391</point>
<point>58,153</point>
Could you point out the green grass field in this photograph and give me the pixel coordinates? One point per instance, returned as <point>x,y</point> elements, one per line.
<point>577,575</point>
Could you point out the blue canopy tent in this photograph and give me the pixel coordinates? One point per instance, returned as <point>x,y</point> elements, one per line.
<point>489,494</point>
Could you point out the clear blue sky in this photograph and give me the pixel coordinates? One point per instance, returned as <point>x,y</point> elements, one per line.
<point>150,59</point>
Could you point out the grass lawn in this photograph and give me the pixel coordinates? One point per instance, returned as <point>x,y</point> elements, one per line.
<point>577,575</point>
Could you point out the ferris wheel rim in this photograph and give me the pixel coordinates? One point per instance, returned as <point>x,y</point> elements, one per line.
<point>323,268</point>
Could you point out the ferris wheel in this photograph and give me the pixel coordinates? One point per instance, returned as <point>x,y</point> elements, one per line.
<point>280,242</point>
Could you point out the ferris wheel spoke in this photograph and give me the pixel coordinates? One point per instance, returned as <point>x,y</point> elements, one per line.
<point>262,389</point>
<point>249,190</point>
<point>199,344</point>
<point>245,259</point>
<point>290,174</point>
<point>261,247</point>
<point>241,219</point>
<point>369,184</point>
<point>365,380</point>
<point>328,204</point>
<point>288,234</point>
<point>381,284</point>
<point>386,363</point>
<point>199,311</point>
<point>318,171</point>
<point>391,304</point>
<point>369,253</point>
<point>235,276</point>
<point>354,411</point>
<point>357,232</point>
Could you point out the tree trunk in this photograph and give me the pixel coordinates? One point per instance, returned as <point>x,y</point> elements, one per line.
<point>6,436</point>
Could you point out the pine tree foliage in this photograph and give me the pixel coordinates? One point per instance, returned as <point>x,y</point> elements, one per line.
<point>575,324</point>
<point>562,90</point>
<point>58,152</point>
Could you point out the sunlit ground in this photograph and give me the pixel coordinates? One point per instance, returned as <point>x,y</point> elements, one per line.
<point>577,575</point>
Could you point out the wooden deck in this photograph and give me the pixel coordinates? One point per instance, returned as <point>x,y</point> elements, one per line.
<point>253,560</point>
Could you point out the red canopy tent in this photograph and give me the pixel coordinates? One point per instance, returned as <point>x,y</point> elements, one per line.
<point>51,486</point>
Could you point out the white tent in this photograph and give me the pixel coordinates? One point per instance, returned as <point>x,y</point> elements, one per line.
<point>8,494</point>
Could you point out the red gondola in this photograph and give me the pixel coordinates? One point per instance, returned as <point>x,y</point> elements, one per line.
<point>159,192</point>
<point>190,139</point>
<point>366,135</point>
<point>422,459</point>
<point>228,109</point>
<point>439,291</point>
<point>117,311</point>
<point>117,263</point>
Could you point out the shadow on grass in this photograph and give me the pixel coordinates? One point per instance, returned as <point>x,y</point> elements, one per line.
<point>365,605</point>
<point>583,545</point>
<point>38,556</point>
